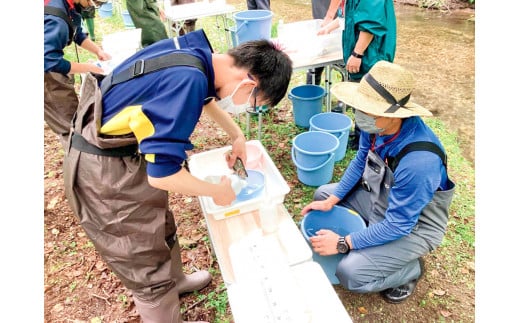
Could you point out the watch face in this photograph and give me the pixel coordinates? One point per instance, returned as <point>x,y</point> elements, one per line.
<point>342,247</point>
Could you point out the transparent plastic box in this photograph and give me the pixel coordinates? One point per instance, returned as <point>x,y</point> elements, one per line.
<point>213,163</point>
<point>300,39</point>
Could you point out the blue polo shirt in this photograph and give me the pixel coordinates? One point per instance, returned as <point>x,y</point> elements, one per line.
<point>56,37</point>
<point>162,108</point>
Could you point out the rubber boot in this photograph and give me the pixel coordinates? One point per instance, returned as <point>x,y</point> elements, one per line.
<point>187,283</point>
<point>90,27</point>
<point>163,309</point>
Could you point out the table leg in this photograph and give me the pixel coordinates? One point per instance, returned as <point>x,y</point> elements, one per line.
<point>260,124</point>
<point>327,87</point>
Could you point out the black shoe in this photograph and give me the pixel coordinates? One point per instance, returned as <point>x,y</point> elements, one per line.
<point>401,293</point>
<point>339,108</point>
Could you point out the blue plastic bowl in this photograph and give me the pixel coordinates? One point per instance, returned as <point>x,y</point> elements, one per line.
<point>255,185</point>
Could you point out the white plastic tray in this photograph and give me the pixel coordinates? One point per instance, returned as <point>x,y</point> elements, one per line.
<point>211,163</point>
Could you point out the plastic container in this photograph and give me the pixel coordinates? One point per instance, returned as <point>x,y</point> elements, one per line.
<point>313,154</point>
<point>307,101</point>
<point>336,124</point>
<point>106,10</point>
<point>339,219</point>
<point>254,156</point>
<point>252,25</point>
<point>301,39</point>
<point>122,44</point>
<point>213,162</point>
<point>127,20</point>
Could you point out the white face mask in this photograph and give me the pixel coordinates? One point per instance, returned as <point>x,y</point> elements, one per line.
<point>228,105</point>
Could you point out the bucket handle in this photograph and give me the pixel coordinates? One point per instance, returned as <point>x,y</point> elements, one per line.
<point>290,96</point>
<point>309,169</point>
<point>240,27</point>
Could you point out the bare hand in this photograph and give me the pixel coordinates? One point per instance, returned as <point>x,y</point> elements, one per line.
<point>224,195</point>
<point>353,64</point>
<point>325,242</point>
<point>317,205</point>
<point>103,56</point>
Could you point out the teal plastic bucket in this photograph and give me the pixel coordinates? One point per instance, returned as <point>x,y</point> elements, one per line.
<point>334,123</point>
<point>252,25</point>
<point>339,219</point>
<point>127,20</point>
<point>106,10</point>
<point>313,154</point>
<point>307,101</point>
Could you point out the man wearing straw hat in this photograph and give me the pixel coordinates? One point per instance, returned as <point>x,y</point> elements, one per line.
<point>398,182</point>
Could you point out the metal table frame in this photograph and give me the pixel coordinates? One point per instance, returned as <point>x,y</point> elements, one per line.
<point>328,61</point>
<point>195,10</point>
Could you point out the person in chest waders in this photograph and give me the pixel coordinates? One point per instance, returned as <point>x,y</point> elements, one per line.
<point>62,26</point>
<point>398,182</point>
<point>128,150</point>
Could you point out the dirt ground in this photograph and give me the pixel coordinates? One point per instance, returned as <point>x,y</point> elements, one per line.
<point>78,286</point>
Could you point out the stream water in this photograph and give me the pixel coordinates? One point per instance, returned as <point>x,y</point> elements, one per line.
<point>440,49</point>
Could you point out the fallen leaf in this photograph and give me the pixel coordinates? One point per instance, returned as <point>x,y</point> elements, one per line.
<point>57,308</point>
<point>100,265</point>
<point>362,310</point>
<point>464,271</point>
<point>53,202</point>
<point>445,313</point>
<point>439,292</point>
<point>55,231</point>
<point>188,200</point>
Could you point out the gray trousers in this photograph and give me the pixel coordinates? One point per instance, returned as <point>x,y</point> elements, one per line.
<point>376,268</point>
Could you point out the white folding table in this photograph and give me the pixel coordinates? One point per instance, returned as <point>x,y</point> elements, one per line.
<point>195,10</point>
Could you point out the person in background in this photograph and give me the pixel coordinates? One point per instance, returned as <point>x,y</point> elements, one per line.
<point>188,25</point>
<point>129,148</point>
<point>369,35</point>
<point>402,191</point>
<point>62,26</point>
<point>258,4</point>
<point>88,14</point>
<point>147,15</point>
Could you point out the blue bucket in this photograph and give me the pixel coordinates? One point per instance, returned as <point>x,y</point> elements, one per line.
<point>334,123</point>
<point>339,219</point>
<point>252,25</point>
<point>307,101</point>
<point>313,154</point>
<point>127,20</point>
<point>106,10</point>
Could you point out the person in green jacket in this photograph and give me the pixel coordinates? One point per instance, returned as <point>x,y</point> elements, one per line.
<point>146,15</point>
<point>369,35</point>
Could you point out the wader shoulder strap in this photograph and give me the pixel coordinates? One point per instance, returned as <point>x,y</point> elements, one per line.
<point>142,67</point>
<point>393,162</point>
<point>50,10</point>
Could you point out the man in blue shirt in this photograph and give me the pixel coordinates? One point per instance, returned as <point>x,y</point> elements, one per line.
<point>404,199</point>
<point>60,98</point>
<point>128,150</point>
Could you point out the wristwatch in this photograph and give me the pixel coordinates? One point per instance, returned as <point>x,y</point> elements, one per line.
<point>343,246</point>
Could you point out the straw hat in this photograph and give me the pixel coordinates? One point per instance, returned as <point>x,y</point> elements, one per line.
<point>384,91</point>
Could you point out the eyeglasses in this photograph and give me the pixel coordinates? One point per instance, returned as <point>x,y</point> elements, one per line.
<point>254,93</point>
